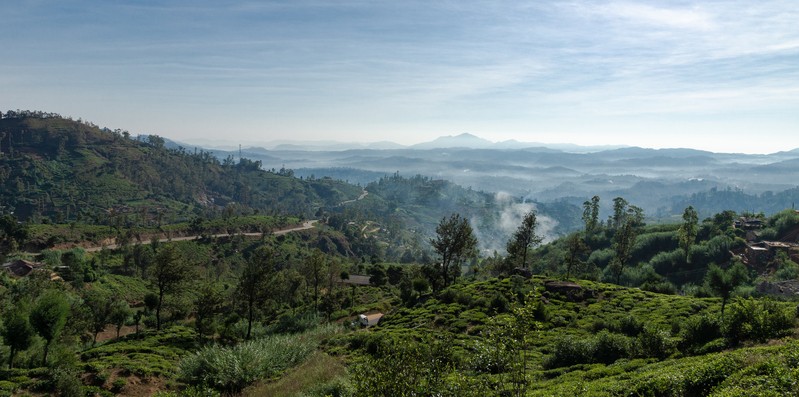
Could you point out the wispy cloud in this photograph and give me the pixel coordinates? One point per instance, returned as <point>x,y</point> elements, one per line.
<point>415,67</point>
<point>689,18</point>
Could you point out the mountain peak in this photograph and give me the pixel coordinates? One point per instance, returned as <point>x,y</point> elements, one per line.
<point>464,140</point>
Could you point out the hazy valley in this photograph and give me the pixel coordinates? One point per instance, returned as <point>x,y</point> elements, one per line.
<point>663,182</point>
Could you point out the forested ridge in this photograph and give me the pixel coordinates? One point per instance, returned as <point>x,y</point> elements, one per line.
<point>480,294</point>
<point>64,170</point>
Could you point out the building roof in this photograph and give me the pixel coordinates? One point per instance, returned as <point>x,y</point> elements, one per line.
<point>356,279</point>
<point>778,244</point>
<point>370,319</point>
<point>20,267</point>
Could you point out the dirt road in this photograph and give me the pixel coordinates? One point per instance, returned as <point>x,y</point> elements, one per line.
<point>361,197</point>
<point>305,226</point>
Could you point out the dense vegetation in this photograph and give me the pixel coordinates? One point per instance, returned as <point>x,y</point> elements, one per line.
<point>617,308</point>
<point>56,170</point>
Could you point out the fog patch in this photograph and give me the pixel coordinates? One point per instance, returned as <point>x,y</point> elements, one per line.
<point>493,234</point>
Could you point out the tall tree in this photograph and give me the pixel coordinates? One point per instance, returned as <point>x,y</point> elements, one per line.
<point>99,304</point>
<point>143,258</point>
<point>591,214</point>
<point>169,275</point>
<point>619,212</point>
<point>624,239</point>
<point>17,333</point>
<point>688,230</point>
<point>120,313</point>
<point>454,243</point>
<point>523,239</point>
<point>315,270</point>
<point>209,302</point>
<point>723,282</point>
<point>48,318</point>
<point>252,286</point>
<point>575,250</point>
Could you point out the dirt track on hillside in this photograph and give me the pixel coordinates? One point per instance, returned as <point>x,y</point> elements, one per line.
<point>305,226</point>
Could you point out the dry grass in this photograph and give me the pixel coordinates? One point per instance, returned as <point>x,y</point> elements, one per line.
<point>320,368</point>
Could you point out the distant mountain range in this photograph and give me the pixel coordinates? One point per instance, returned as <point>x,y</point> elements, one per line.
<point>465,140</point>
<point>662,181</point>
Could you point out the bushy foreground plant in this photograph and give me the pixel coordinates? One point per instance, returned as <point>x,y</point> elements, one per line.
<point>750,319</point>
<point>755,372</point>
<point>403,367</point>
<point>231,369</point>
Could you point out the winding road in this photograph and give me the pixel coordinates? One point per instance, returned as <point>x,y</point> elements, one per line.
<point>310,224</point>
<point>305,226</point>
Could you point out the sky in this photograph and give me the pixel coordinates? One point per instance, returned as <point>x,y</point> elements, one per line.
<point>713,75</point>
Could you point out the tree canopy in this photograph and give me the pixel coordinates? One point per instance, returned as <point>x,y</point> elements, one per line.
<point>454,243</point>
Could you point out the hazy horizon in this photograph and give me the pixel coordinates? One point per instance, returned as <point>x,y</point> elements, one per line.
<point>233,145</point>
<point>721,76</point>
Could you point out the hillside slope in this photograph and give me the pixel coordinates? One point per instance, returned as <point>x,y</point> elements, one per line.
<point>65,170</point>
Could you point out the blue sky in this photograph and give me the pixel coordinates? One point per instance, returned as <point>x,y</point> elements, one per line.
<point>716,75</point>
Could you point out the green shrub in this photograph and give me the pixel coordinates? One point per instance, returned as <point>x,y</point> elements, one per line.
<point>665,262</point>
<point>447,296</point>
<point>788,270</point>
<point>609,347</point>
<point>7,387</point>
<point>287,323</point>
<point>601,258</point>
<point>661,287</point>
<point>499,304</point>
<point>749,319</point>
<point>698,330</point>
<point>336,388</point>
<point>101,377</point>
<point>654,342</point>
<point>630,326</point>
<point>570,351</point>
<point>67,383</point>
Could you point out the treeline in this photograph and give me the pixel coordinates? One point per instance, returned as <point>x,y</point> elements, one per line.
<point>663,257</point>
<point>720,200</point>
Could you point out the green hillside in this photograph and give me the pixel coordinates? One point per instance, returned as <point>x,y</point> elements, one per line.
<point>543,337</point>
<point>61,170</point>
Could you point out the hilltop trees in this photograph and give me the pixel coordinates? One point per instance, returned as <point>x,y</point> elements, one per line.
<point>591,214</point>
<point>523,239</point>
<point>688,230</point>
<point>575,250</point>
<point>454,243</point>
<point>627,220</point>
<point>619,212</point>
